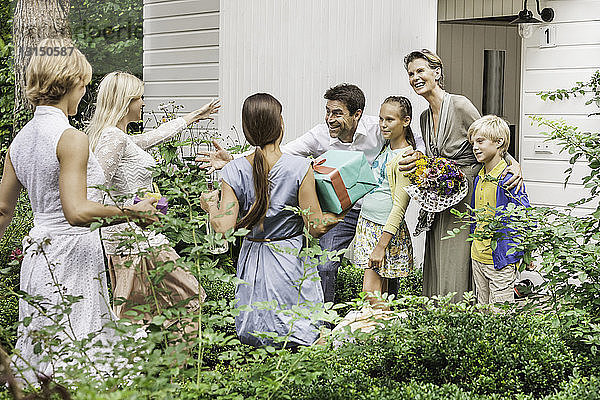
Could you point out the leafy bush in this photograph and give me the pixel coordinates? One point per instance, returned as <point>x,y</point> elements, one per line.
<point>482,353</point>
<point>8,121</point>
<point>412,285</point>
<point>5,394</point>
<point>576,389</point>
<point>350,281</point>
<point>579,388</point>
<point>433,353</point>
<point>7,97</point>
<point>381,390</point>
<point>109,34</point>
<point>9,269</point>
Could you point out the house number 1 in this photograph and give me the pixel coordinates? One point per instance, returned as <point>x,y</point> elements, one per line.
<point>547,36</point>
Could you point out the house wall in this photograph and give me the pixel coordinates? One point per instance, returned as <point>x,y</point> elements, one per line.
<point>449,10</point>
<point>575,57</point>
<point>296,49</point>
<point>461,47</point>
<point>181,52</point>
<point>197,50</point>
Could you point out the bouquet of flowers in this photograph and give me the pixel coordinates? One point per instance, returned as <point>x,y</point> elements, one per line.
<point>436,184</point>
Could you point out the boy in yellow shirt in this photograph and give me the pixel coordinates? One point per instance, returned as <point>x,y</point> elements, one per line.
<point>494,271</point>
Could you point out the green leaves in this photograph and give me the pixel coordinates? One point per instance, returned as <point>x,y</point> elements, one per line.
<point>591,87</point>
<point>159,320</point>
<point>109,34</point>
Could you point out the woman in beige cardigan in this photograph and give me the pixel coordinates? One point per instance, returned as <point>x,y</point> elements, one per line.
<point>444,125</point>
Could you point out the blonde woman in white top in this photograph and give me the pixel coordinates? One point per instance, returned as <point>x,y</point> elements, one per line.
<point>51,160</point>
<point>126,166</point>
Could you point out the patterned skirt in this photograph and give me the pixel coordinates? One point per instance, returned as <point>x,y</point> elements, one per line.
<point>398,261</point>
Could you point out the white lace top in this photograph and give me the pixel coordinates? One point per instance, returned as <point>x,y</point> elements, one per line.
<point>126,166</point>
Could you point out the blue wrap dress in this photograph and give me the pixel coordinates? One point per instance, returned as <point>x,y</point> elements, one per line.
<point>272,275</point>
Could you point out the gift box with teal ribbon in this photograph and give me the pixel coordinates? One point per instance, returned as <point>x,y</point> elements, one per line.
<point>342,177</point>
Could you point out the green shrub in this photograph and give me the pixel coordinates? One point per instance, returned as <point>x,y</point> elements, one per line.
<point>587,359</point>
<point>427,391</point>
<point>579,388</point>
<point>438,353</point>
<point>9,273</point>
<point>576,389</point>
<point>19,227</point>
<point>5,394</point>
<point>350,281</point>
<point>380,390</point>
<point>412,285</point>
<point>485,354</point>
<point>217,290</point>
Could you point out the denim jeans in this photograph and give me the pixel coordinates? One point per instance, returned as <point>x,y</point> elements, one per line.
<point>338,238</point>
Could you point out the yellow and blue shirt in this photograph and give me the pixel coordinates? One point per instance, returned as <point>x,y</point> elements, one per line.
<point>485,195</point>
<point>493,192</point>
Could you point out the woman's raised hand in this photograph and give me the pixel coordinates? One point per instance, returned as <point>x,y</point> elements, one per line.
<point>214,160</point>
<point>205,112</point>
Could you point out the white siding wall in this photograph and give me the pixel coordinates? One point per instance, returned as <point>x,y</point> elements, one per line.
<point>575,58</point>
<point>296,49</point>
<point>181,52</point>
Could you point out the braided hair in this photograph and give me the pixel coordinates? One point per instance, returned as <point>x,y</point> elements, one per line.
<point>405,111</point>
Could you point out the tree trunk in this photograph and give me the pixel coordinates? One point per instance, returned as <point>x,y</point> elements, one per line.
<point>33,21</point>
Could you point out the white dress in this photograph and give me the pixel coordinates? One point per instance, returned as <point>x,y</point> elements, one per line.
<point>72,256</point>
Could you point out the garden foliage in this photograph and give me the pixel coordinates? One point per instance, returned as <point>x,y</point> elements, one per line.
<point>109,33</point>
<point>565,242</point>
<point>431,349</point>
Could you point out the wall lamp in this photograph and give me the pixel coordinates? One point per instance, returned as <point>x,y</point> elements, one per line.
<point>526,17</point>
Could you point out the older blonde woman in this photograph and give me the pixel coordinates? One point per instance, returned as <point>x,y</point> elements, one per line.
<point>51,160</point>
<point>126,166</point>
<point>444,125</point>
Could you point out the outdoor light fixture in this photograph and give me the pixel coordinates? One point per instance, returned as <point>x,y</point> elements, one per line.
<point>547,13</point>
<point>526,17</point>
<point>525,31</point>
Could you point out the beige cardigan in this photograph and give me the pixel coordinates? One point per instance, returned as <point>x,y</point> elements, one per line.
<point>457,114</point>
